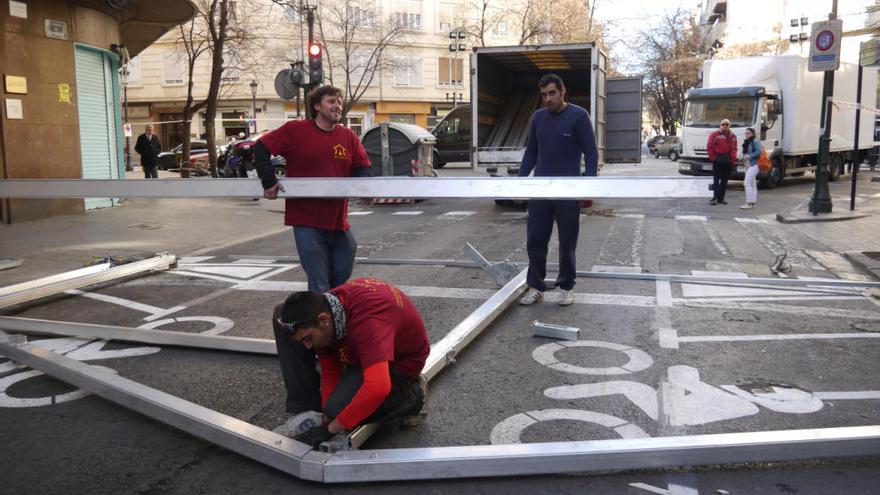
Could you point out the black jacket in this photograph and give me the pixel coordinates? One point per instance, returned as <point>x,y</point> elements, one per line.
<point>148,149</point>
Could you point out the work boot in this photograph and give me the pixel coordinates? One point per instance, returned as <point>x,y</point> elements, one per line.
<point>421,416</point>
<point>713,202</point>
<point>531,296</point>
<point>299,423</point>
<point>567,298</point>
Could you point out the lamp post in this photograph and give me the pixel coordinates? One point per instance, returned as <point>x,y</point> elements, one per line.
<point>128,167</point>
<point>254,86</point>
<point>455,46</point>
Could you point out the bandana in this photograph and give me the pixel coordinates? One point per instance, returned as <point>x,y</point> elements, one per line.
<point>338,316</point>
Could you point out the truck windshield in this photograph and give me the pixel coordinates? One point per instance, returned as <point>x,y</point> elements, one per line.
<point>710,111</point>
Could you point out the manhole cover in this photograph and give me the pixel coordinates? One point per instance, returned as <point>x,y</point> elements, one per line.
<point>740,316</point>
<point>867,326</point>
<point>145,226</point>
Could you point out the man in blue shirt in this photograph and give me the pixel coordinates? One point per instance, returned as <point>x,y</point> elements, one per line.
<point>560,133</point>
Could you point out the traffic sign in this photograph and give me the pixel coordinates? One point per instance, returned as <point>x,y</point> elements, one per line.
<point>126,129</point>
<point>825,43</point>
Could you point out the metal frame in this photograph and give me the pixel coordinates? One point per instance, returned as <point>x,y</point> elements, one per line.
<point>56,284</point>
<point>138,335</point>
<point>370,187</point>
<point>299,460</point>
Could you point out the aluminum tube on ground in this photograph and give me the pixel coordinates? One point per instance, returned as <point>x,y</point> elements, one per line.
<point>53,279</point>
<point>600,455</point>
<point>140,335</point>
<point>36,290</point>
<point>366,261</point>
<point>230,433</point>
<point>370,187</point>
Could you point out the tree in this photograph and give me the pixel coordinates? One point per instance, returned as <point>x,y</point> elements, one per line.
<point>674,51</point>
<point>556,21</point>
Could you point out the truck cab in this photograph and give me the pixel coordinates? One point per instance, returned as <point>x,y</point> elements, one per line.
<point>744,107</point>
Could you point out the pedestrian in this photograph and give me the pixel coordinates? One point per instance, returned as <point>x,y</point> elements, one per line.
<point>560,134</point>
<point>317,147</point>
<point>721,148</point>
<point>149,148</point>
<point>372,346</point>
<point>751,150</point>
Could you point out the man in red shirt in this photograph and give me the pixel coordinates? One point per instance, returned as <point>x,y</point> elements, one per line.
<point>318,147</point>
<point>371,344</point>
<point>721,148</point>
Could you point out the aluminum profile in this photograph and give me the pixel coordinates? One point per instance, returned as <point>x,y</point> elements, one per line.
<point>552,331</point>
<point>369,187</point>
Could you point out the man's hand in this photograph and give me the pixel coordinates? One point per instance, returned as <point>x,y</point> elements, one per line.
<point>272,192</point>
<point>315,436</point>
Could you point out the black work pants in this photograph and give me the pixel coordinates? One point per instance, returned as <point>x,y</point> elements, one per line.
<point>720,176</point>
<point>303,383</point>
<point>539,227</point>
<point>151,171</point>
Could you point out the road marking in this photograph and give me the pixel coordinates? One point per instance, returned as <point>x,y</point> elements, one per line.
<point>868,394</point>
<point>702,273</point>
<point>691,218</point>
<point>776,244</point>
<point>639,360</point>
<point>359,213</point>
<point>672,490</point>
<point>145,308</point>
<point>839,265</point>
<point>510,430</point>
<point>750,220</point>
<point>693,402</point>
<point>219,324</point>
<point>407,213</point>
<point>770,337</point>
<point>616,269</point>
<point>800,311</point>
<point>458,214</point>
<point>227,270</point>
<point>612,249</point>
<point>515,214</point>
<point>664,294</point>
<point>728,291</point>
<point>643,396</point>
<point>194,259</point>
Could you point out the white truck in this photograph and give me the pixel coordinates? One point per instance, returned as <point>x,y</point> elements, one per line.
<point>781,100</point>
<point>504,95</point>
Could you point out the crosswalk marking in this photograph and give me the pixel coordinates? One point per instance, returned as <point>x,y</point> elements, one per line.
<point>359,213</point>
<point>458,214</point>
<point>691,218</point>
<point>407,213</point>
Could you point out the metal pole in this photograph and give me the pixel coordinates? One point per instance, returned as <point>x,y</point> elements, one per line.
<point>821,202</point>
<point>387,163</point>
<point>856,158</point>
<point>128,167</point>
<point>254,110</point>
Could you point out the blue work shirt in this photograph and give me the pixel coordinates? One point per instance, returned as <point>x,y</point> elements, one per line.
<point>556,142</point>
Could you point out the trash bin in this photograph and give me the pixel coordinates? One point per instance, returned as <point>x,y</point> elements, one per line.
<point>409,148</point>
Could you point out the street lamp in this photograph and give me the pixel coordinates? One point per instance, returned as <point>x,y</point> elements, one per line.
<point>455,47</point>
<point>125,74</point>
<point>254,86</point>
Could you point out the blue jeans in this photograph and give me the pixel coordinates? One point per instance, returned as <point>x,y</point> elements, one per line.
<point>327,256</point>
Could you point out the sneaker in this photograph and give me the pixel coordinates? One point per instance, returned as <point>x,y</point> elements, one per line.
<point>421,416</point>
<point>299,423</point>
<point>713,202</point>
<point>747,206</point>
<point>531,296</point>
<point>567,298</point>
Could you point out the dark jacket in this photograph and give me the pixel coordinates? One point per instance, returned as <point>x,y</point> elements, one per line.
<point>722,142</point>
<point>148,149</point>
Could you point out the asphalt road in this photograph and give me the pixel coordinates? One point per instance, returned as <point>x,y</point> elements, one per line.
<point>661,358</point>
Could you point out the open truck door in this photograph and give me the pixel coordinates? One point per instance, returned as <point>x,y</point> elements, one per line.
<point>623,120</point>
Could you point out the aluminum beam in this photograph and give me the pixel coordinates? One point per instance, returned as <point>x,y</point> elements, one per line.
<point>600,455</point>
<point>56,284</point>
<point>138,335</point>
<point>251,441</point>
<point>372,187</point>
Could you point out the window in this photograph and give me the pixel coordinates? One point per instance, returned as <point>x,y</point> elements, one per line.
<point>355,123</point>
<point>402,118</point>
<point>444,20</point>
<point>293,14</point>
<point>450,70</point>
<point>408,14</point>
<point>407,71</point>
<point>134,72</point>
<point>357,68</point>
<point>500,29</point>
<point>361,16</point>
<point>172,67</point>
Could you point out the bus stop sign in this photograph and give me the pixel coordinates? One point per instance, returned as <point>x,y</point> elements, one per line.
<point>825,45</point>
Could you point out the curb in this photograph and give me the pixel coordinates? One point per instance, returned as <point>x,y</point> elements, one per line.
<point>868,261</point>
<point>807,217</point>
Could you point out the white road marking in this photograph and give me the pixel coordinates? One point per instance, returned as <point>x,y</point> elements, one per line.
<point>839,265</point>
<point>194,259</point>
<point>616,269</point>
<point>610,253</point>
<point>776,299</point>
<point>769,337</point>
<point>643,396</point>
<point>777,244</point>
<point>639,360</point>
<point>781,399</point>
<point>664,294</point>
<point>703,273</point>
<point>510,430</point>
<point>726,291</point>
<point>800,311</point>
<point>219,324</point>
<point>868,394</point>
<point>407,213</point>
<point>750,220</point>
<point>145,308</point>
<point>458,214</point>
<point>694,402</point>
<point>238,272</point>
<point>359,213</point>
<point>246,261</point>
<point>715,239</point>
<point>636,216</point>
<point>691,218</point>
<point>515,214</point>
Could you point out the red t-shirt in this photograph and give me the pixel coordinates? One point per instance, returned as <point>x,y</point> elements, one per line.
<point>313,152</point>
<point>382,325</point>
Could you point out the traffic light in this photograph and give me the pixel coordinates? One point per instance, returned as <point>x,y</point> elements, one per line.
<point>316,70</point>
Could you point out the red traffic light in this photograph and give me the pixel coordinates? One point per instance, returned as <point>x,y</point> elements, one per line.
<point>314,49</point>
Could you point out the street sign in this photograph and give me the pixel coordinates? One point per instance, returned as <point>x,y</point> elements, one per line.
<point>126,129</point>
<point>283,86</point>
<point>869,53</point>
<point>825,43</point>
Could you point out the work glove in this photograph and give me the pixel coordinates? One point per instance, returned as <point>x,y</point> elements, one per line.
<point>316,436</point>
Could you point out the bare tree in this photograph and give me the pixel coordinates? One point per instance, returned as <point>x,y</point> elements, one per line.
<point>486,19</point>
<point>556,21</point>
<point>674,52</point>
<point>356,46</point>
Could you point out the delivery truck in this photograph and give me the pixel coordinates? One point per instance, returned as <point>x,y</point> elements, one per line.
<point>505,94</point>
<point>781,100</point>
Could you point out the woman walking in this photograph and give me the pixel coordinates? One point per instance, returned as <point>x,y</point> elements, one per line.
<point>751,150</point>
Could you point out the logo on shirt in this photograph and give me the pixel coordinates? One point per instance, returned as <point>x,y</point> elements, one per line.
<point>339,152</point>
<point>342,352</point>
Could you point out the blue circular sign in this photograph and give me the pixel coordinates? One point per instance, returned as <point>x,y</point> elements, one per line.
<point>825,40</point>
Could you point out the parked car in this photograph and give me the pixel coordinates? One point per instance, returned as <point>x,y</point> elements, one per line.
<point>453,135</point>
<point>237,162</point>
<point>670,147</point>
<point>171,159</point>
<point>651,143</point>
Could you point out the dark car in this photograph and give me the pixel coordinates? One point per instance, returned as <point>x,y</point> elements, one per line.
<point>453,135</point>
<point>670,147</point>
<point>171,159</point>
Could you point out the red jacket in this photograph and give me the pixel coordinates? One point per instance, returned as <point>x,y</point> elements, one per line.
<point>717,144</point>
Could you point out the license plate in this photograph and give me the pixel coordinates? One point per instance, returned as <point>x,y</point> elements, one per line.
<point>707,168</point>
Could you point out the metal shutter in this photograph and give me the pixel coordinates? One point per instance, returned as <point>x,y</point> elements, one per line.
<point>97,117</point>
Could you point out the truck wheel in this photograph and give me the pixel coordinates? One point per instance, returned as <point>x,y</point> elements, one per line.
<point>834,168</point>
<point>673,155</point>
<point>774,176</point>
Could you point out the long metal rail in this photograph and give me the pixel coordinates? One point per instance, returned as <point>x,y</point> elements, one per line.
<point>56,284</point>
<point>372,187</point>
<point>300,460</point>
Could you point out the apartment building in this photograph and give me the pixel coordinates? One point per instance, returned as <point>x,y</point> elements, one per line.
<point>424,70</point>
